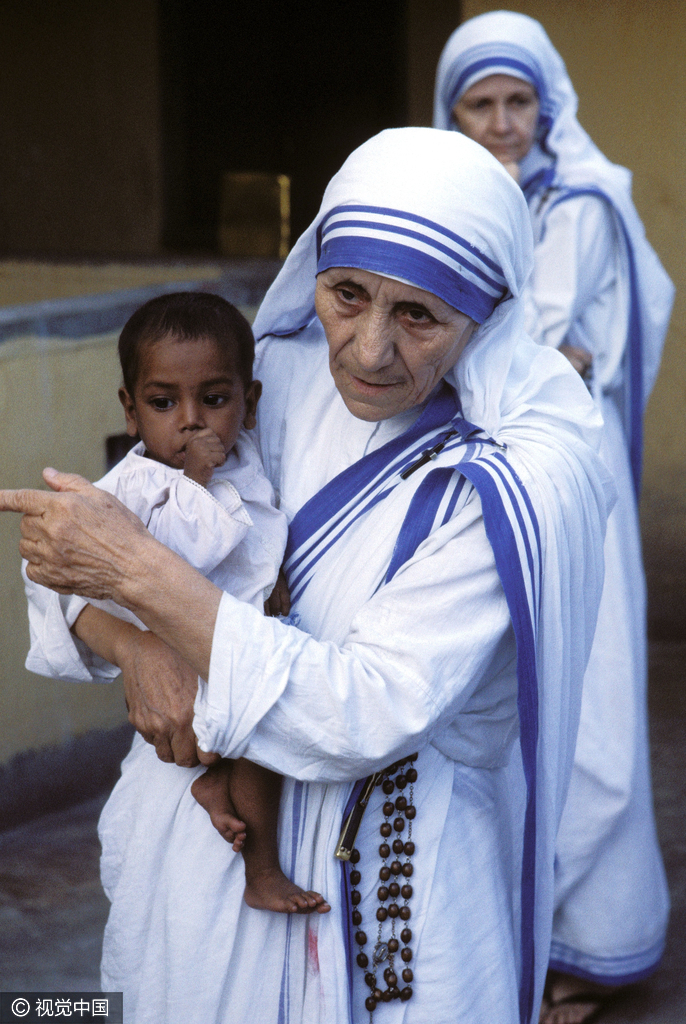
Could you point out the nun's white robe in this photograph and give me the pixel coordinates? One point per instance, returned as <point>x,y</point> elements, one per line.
<point>612,902</point>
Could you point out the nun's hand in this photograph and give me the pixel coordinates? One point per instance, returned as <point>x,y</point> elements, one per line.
<point>580,358</point>
<point>160,689</point>
<point>79,540</point>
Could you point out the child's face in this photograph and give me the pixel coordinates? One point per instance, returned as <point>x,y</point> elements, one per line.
<point>184,386</point>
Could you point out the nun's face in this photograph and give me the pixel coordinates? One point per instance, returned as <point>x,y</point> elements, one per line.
<point>501,114</point>
<point>389,343</point>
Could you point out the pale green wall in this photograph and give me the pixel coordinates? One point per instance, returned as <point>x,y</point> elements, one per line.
<point>57,404</point>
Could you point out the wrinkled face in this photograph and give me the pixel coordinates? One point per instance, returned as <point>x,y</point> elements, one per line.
<point>389,343</point>
<point>501,114</point>
<point>184,386</point>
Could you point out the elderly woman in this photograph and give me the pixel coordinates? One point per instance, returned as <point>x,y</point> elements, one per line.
<point>447,509</point>
<point>599,295</point>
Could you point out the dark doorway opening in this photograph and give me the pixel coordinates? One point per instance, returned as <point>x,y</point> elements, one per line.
<point>288,88</point>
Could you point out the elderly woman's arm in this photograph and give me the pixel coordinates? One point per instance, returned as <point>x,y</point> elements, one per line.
<point>82,540</point>
<point>414,657</point>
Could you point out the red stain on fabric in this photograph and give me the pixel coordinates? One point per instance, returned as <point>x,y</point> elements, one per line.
<point>313,951</point>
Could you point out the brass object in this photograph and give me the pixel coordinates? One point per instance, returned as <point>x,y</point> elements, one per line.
<point>255,215</point>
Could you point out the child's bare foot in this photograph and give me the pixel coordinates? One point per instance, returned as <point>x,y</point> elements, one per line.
<point>271,890</point>
<point>211,790</point>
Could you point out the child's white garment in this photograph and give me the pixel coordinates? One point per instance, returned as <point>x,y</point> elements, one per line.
<point>230,531</point>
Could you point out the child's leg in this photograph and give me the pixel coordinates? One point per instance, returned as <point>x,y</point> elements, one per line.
<point>255,792</point>
<point>211,790</point>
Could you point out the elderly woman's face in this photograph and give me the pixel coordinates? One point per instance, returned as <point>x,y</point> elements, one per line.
<point>389,343</point>
<point>500,113</point>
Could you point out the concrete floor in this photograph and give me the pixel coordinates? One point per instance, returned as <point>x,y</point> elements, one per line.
<point>52,910</point>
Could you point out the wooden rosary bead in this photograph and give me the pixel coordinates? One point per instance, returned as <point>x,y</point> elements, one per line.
<point>389,873</point>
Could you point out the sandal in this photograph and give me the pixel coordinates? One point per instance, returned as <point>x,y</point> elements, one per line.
<point>597,1001</point>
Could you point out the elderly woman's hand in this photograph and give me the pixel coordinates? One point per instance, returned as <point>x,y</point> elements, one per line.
<point>580,358</point>
<point>80,540</point>
<point>160,689</point>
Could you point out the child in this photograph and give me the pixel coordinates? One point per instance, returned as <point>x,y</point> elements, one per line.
<point>188,393</point>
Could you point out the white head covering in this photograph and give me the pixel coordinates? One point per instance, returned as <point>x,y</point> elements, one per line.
<point>437,210</point>
<point>563,156</point>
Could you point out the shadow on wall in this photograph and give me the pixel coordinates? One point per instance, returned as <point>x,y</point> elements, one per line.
<point>663,515</point>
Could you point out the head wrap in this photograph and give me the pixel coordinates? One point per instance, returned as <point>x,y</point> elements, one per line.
<point>439,212</point>
<point>565,158</point>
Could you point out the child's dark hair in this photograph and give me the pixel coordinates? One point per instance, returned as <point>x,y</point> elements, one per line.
<point>188,315</point>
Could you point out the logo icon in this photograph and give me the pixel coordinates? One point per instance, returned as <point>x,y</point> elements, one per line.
<point>20,1007</point>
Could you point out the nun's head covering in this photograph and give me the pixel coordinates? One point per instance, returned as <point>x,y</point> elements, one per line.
<point>563,157</point>
<point>435,210</point>
<point>507,43</point>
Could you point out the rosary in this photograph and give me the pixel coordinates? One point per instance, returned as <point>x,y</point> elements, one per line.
<point>395,883</point>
